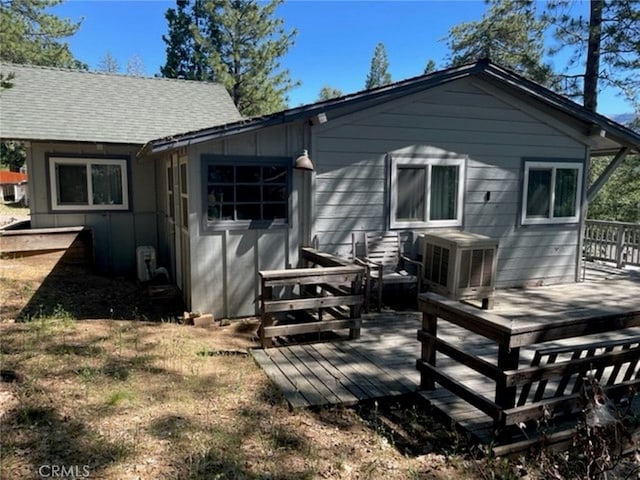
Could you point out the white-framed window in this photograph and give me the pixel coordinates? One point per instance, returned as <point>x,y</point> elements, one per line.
<point>551,192</point>
<point>88,183</point>
<point>246,192</point>
<point>426,191</point>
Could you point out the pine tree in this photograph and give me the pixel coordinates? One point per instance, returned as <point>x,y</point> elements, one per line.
<point>327,93</point>
<point>238,43</point>
<point>135,66</point>
<point>379,72</point>
<point>108,64</point>
<point>430,67</point>
<point>185,58</point>
<point>30,34</point>
<point>509,34</point>
<point>605,48</point>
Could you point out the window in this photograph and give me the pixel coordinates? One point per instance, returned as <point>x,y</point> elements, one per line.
<point>88,184</point>
<point>244,194</point>
<point>551,192</point>
<point>426,192</point>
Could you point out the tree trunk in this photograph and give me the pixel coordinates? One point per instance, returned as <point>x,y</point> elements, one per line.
<point>592,69</point>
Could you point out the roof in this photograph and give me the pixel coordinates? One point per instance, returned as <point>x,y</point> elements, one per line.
<point>75,105</point>
<point>615,135</point>
<point>8,178</point>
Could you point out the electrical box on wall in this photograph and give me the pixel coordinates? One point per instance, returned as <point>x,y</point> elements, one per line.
<point>460,265</point>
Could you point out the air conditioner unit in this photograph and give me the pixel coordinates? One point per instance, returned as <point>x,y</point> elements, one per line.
<point>460,265</point>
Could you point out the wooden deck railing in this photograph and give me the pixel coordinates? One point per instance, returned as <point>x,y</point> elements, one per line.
<point>329,282</point>
<point>509,404</point>
<point>616,242</point>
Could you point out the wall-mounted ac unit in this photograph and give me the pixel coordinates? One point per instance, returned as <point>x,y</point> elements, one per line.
<point>460,265</point>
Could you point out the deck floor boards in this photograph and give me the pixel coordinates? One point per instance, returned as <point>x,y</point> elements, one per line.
<point>382,362</point>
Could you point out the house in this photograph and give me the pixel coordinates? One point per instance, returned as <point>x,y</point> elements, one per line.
<point>474,148</point>
<point>83,131</point>
<point>13,187</point>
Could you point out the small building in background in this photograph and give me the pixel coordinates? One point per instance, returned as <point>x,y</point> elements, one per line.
<point>14,187</point>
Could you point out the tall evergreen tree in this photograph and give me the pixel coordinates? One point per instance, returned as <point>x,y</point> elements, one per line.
<point>379,71</point>
<point>185,58</point>
<point>605,47</point>
<point>30,34</point>
<point>509,34</point>
<point>238,43</point>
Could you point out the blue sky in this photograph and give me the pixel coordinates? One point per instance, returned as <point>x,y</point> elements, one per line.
<point>334,45</point>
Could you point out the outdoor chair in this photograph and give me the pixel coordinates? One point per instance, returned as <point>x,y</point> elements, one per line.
<point>385,263</point>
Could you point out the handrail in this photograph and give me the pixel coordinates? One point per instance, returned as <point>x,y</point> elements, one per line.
<point>617,242</point>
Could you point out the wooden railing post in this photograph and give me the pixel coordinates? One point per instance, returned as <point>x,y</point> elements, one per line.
<point>429,325</point>
<point>266,318</point>
<point>508,359</point>
<point>355,311</point>
<point>620,246</point>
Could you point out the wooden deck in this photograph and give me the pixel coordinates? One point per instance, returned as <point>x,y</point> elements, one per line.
<point>382,363</point>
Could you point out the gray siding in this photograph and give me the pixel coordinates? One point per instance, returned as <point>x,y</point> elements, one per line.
<point>461,119</point>
<point>225,264</point>
<point>116,234</point>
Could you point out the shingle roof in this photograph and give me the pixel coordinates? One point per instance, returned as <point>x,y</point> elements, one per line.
<point>74,105</point>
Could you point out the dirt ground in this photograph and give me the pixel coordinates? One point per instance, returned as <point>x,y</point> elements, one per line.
<point>100,381</point>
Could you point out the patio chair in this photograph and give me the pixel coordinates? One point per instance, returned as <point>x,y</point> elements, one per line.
<point>385,263</point>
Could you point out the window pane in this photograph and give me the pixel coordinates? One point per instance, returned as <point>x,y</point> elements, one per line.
<point>183,178</point>
<point>274,174</point>
<point>246,193</point>
<point>538,191</point>
<point>217,194</point>
<point>274,193</point>
<point>248,212</point>
<point>247,174</point>
<point>444,192</point>
<point>566,189</point>
<point>219,174</point>
<point>273,211</point>
<point>106,181</point>
<point>411,188</point>
<point>72,185</point>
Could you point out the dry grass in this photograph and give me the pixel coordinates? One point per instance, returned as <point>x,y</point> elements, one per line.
<point>133,399</point>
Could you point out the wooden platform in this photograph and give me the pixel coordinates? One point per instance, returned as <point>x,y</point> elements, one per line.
<point>379,364</point>
<point>382,363</point>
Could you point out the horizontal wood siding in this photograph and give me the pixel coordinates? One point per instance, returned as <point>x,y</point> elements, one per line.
<point>458,119</point>
<point>225,264</point>
<point>116,234</point>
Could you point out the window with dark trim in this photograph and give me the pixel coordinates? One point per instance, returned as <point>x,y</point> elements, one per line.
<point>246,192</point>
<point>88,183</point>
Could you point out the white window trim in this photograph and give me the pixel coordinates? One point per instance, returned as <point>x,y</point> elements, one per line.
<point>426,163</point>
<point>88,162</point>
<point>553,166</point>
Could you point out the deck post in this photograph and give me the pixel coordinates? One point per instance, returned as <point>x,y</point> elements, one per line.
<point>355,310</point>
<point>266,319</point>
<point>429,325</point>
<point>620,246</point>
<point>508,359</point>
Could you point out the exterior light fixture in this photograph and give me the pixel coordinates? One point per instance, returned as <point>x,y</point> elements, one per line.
<point>303,162</point>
